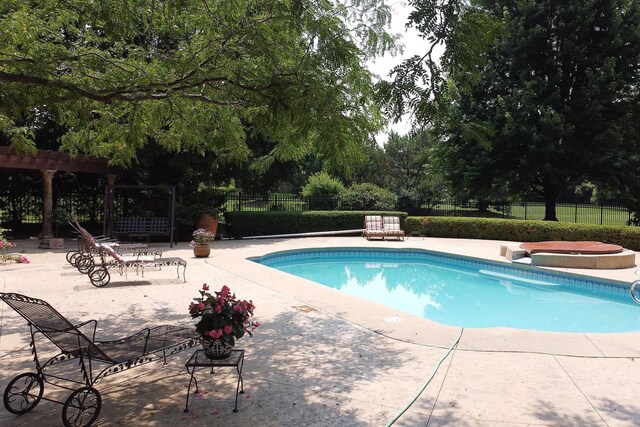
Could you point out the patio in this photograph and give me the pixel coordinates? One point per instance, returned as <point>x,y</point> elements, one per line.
<point>324,358</point>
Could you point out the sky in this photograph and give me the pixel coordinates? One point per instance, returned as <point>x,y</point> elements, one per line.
<point>381,66</point>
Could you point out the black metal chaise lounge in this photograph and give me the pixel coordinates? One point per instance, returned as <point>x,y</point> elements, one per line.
<point>96,359</point>
<point>98,272</point>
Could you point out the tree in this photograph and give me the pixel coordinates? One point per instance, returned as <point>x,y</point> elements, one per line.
<point>409,163</point>
<point>560,92</point>
<point>189,73</point>
<point>456,33</point>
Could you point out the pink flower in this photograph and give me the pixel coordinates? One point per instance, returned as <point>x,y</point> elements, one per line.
<point>224,292</point>
<point>228,329</point>
<point>218,309</point>
<point>205,287</point>
<point>215,333</point>
<point>24,260</point>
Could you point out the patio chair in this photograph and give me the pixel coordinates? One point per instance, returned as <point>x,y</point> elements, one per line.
<point>391,226</point>
<point>78,347</point>
<point>373,227</point>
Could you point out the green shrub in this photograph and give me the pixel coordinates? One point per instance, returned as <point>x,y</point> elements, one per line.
<point>242,224</point>
<point>521,231</point>
<point>368,196</point>
<point>322,190</point>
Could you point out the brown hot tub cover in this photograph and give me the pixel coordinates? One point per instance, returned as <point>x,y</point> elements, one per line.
<point>564,247</point>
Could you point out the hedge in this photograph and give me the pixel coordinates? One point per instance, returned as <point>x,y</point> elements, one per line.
<point>520,231</point>
<point>242,224</point>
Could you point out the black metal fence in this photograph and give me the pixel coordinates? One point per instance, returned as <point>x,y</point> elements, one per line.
<point>26,208</point>
<point>603,214</point>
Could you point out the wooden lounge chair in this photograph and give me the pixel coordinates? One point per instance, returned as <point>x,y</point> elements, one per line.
<point>391,226</point>
<point>81,360</point>
<point>373,227</point>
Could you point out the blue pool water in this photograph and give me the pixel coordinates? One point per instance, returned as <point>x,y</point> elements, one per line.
<point>462,291</point>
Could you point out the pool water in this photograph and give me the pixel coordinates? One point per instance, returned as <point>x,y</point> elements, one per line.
<point>460,291</point>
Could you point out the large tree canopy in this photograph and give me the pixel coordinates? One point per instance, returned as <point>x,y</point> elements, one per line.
<point>191,74</point>
<point>560,90</point>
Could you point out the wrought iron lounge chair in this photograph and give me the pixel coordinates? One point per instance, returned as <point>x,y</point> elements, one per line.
<point>96,359</point>
<point>373,227</point>
<point>83,258</point>
<point>98,272</point>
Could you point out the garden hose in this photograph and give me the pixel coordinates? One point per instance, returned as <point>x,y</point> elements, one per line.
<point>433,374</point>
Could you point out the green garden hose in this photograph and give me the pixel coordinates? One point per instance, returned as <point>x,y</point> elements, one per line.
<point>433,374</point>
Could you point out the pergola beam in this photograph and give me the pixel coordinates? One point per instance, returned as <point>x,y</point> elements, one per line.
<point>54,160</point>
<point>48,162</point>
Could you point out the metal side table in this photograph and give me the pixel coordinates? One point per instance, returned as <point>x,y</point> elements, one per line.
<point>199,360</point>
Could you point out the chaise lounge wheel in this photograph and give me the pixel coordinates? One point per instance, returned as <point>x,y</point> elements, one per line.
<point>23,393</point>
<point>81,408</point>
<point>84,264</point>
<point>99,276</point>
<point>71,257</point>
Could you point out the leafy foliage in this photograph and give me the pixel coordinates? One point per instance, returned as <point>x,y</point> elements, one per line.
<point>457,32</point>
<point>190,74</point>
<point>285,222</point>
<point>559,90</point>
<point>323,190</point>
<point>367,196</point>
<point>410,166</point>
<point>521,231</point>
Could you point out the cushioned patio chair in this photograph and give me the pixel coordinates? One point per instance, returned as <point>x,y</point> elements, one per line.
<point>391,226</point>
<point>81,360</point>
<point>373,227</point>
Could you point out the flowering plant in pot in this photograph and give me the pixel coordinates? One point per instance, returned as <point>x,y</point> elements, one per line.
<point>223,319</point>
<point>202,235</point>
<point>200,242</point>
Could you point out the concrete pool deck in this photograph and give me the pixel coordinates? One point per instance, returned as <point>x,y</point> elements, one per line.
<point>325,358</point>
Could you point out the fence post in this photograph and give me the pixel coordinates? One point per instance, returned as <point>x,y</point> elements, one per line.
<point>526,204</point>
<point>575,216</point>
<point>601,212</point>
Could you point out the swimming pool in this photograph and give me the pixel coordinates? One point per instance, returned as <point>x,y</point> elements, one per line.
<point>462,291</point>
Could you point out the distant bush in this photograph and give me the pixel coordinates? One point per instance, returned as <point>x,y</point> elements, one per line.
<point>262,223</point>
<point>322,190</point>
<point>521,230</point>
<point>368,197</point>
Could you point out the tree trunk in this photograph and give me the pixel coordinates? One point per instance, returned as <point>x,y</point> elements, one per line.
<point>550,199</point>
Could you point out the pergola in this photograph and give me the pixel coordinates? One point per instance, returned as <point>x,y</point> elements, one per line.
<point>48,163</point>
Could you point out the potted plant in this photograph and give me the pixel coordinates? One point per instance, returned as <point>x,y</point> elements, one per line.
<point>222,320</point>
<point>209,220</point>
<point>200,243</point>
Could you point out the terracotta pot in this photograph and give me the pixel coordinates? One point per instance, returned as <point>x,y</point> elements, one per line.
<point>201,250</point>
<point>208,222</point>
<point>56,243</point>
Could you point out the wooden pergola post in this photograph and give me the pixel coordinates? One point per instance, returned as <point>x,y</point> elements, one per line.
<point>109,203</point>
<point>47,202</point>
